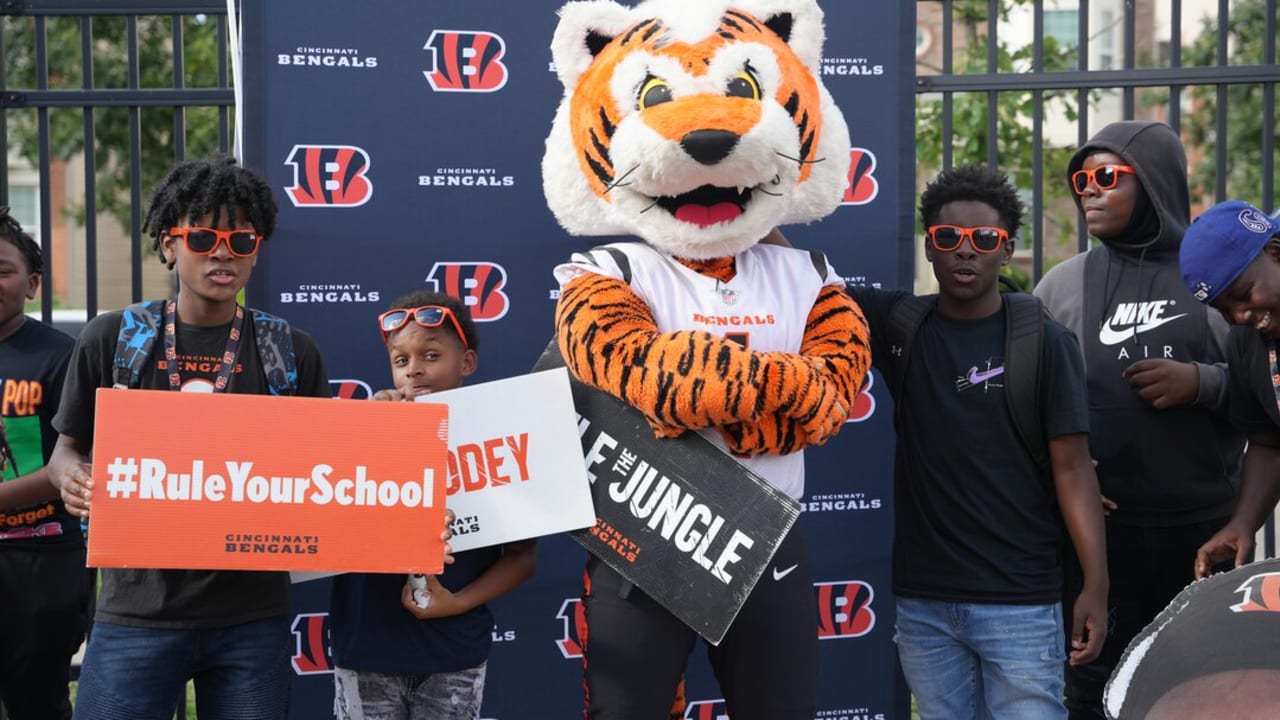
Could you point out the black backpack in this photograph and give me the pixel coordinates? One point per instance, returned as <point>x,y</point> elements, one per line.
<point>1024,333</point>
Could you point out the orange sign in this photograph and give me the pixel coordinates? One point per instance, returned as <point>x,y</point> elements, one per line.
<point>250,482</point>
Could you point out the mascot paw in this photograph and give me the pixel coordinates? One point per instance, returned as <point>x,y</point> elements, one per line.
<point>823,412</point>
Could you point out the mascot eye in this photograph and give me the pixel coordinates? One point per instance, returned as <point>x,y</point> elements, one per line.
<point>655,91</point>
<point>744,85</point>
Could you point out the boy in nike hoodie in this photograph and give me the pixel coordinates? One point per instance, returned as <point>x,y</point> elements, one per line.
<point>1166,455</point>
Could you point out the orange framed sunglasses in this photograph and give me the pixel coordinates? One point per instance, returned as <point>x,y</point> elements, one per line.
<point>985,240</point>
<point>1104,176</point>
<point>428,316</point>
<point>203,241</point>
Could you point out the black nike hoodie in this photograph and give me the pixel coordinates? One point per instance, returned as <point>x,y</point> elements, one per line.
<point>1126,302</point>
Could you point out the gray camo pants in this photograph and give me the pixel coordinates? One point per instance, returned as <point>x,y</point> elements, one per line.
<point>440,696</point>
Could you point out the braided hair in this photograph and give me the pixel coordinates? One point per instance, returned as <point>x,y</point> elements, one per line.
<point>196,188</point>
<point>11,231</point>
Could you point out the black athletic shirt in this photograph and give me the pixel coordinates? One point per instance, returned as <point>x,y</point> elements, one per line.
<point>976,520</point>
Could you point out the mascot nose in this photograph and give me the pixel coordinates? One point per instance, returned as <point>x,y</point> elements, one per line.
<point>709,146</point>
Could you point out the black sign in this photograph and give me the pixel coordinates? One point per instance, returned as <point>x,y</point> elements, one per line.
<point>677,517</point>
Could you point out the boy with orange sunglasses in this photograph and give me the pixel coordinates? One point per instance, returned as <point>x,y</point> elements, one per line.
<point>398,655</point>
<point>980,497</point>
<point>156,629</point>
<point>1166,454</point>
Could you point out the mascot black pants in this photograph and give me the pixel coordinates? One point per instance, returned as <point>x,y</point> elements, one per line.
<point>767,664</point>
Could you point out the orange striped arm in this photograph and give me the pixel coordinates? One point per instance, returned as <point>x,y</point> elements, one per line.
<point>691,379</point>
<point>837,332</point>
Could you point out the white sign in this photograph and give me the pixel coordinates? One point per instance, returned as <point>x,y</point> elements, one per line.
<point>515,460</point>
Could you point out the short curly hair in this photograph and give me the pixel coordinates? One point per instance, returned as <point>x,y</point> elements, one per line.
<point>11,231</point>
<point>419,298</point>
<point>196,188</point>
<point>977,183</point>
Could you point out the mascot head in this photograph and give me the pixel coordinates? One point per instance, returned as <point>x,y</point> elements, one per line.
<point>697,125</point>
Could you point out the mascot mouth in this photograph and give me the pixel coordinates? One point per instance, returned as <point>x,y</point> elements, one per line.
<point>707,205</point>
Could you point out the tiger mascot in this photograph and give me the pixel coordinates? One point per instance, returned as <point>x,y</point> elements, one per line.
<point>699,126</point>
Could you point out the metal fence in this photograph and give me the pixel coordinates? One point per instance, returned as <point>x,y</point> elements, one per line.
<point>1005,71</point>
<point>997,75</point>
<point>1103,60</point>
<point>106,76</point>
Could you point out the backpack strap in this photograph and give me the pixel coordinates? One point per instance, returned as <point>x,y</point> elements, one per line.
<point>905,318</point>
<point>1024,340</point>
<point>820,265</point>
<point>139,327</point>
<point>620,259</point>
<point>275,348</point>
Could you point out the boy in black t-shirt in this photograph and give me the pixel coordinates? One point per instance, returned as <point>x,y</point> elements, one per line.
<point>155,629</point>
<point>978,520</point>
<point>1230,259</point>
<point>43,582</point>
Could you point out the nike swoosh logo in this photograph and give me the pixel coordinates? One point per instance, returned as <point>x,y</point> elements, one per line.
<point>1110,336</point>
<point>976,377</point>
<point>779,575</point>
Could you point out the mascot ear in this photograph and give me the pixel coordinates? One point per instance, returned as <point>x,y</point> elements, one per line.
<point>797,22</point>
<point>585,29</point>
<point>781,26</point>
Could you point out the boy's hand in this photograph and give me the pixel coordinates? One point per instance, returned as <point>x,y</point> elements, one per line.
<point>447,535</point>
<point>1233,542</point>
<point>443,602</point>
<point>1108,505</point>
<point>1164,383</point>
<point>74,481</point>
<point>1088,626</point>
<point>404,393</point>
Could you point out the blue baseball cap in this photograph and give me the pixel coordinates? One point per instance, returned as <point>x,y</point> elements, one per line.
<point>1220,244</point>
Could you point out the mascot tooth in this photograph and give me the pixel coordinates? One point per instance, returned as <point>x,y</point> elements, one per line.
<point>699,126</point>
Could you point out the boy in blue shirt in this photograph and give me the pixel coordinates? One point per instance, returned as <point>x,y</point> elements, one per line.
<point>393,659</point>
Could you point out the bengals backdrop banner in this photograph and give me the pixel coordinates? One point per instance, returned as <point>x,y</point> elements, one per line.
<point>269,483</point>
<point>404,141</point>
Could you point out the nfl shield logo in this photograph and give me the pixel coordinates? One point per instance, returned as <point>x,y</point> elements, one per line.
<point>729,297</point>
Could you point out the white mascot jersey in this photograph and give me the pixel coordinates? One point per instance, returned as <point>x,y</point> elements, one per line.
<point>765,307</point>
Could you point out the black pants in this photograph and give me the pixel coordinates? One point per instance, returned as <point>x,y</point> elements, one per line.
<point>1148,567</point>
<point>767,664</point>
<point>42,618</point>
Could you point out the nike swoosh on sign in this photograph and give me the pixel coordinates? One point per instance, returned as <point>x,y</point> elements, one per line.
<point>1108,335</point>
<point>779,575</point>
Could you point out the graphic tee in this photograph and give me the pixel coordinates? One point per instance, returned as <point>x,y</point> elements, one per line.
<point>33,363</point>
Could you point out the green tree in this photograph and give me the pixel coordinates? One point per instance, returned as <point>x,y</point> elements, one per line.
<point>1014,114</point>
<point>1245,119</point>
<point>110,70</point>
